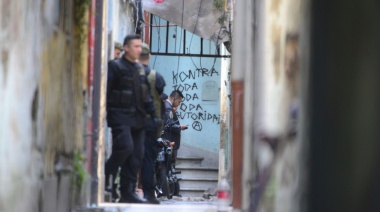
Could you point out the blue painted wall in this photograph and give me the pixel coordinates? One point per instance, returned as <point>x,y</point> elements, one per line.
<point>199,80</point>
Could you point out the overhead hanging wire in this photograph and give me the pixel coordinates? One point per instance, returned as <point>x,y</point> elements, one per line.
<point>159,37</point>
<point>179,49</point>
<point>175,42</point>
<point>140,18</point>
<point>191,39</point>
<point>216,43</point>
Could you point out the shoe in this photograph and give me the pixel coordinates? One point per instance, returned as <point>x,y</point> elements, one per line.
<point>177,195</point>
<point>151,198</point>
<point>113,190</point>
<point>115,195</point>
<point>107,186</point>
<point>132,199</point>
<point>130,196</point>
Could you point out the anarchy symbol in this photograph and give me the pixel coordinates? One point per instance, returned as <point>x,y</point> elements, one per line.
<point>197,126</point>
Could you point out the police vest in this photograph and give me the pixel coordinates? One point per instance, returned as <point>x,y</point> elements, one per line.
<point>130,90</point>
<point>156,99</point>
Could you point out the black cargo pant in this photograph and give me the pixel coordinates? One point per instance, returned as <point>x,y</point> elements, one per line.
<point>148,167</point>
<point>127,153</point>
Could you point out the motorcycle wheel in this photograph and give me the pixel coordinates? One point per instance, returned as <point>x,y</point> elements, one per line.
<point>171,179</point>
<point>171,187</point>
<point>163,181</point>
<point>176,188</point>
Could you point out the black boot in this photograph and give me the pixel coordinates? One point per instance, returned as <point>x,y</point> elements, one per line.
<point>129,195</point>
<point>107,186</point>
<point>150,197</point>
<point>115,195</point>
<point>111,189</point>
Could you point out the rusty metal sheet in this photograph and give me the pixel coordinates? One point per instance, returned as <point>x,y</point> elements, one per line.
<point>197,16</point>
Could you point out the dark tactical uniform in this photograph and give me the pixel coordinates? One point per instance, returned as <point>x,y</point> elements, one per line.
<point>157,84</point>
<point>128,102</point>
<point>172,132</point>
<point>172,128</point>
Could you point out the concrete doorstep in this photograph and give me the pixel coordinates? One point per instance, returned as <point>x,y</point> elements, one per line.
<point>177,204</point>
<point>126,207</point>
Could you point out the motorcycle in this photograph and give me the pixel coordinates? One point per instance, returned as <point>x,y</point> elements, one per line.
<point>166,180</point>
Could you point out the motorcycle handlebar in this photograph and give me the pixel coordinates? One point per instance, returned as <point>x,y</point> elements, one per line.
<point>165,142</point>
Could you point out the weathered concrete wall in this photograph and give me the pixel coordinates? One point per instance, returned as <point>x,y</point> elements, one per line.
<point>120,21</point>
<point>243,77</point>
<point>225,117</point>
<point>271,72</point>
<point>21,160</point>
<point>276,152</point>
<point>102,112</point>
<point>126,19</point>
<point>41,113</point>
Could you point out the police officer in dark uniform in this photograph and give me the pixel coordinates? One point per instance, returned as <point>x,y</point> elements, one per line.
<point>128,103</point>
<point>172,129</point>
<point>157,84</point>
<point>118,48</point>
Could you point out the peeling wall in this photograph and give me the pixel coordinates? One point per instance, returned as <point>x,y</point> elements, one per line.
<point>41,110</point>
<point>225,115</point>
<point>19,73</point>
<point>266,58</point>
<point>276,148</point>
<point>120,19</point>
<point>315,119</point>
<point>126,19</point>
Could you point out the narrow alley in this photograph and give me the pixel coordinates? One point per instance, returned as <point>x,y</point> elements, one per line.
<point>189,105</point>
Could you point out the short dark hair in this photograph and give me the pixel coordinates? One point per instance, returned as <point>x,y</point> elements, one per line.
<point>164,96</point>
<point>176,93</point>
<point>129,38</point>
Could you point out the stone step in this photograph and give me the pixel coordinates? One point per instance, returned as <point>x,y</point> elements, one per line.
<point>198,182</point>
<point>189,161</point>
<point>197,172</point>
<point>192,191</point>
